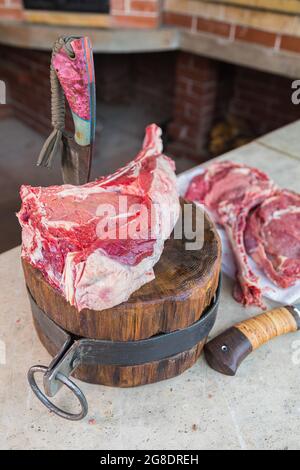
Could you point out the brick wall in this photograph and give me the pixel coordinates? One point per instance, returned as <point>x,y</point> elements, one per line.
<point>263,100</point>
<point>124,13</point>
<point>190,91</point>
<point>154,78</point>
<point>113,78</point>
<point>194,104</point>
<point>136,13</point>
<point>273,30</point>
<point>11,9</point>
<point>147,79</point>
<point>207,91</point>
<point>26,74</point>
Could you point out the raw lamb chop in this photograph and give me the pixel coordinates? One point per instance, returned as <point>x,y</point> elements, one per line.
<point>230,190</point>
<point>272,237</point>
<point>97,243</point>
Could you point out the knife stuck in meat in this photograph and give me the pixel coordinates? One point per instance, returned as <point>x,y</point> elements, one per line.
<point>72,76</point>
<point>226,352</point>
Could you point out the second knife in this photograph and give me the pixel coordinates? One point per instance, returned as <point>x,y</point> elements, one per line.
<point>226,352</point>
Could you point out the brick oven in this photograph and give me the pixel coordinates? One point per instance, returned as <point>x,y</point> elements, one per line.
<point>219,106</point>
<point>214,74</point>
<point>68,5</point>
<point>90,13</point>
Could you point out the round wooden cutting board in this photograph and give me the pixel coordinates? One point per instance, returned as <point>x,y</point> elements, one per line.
<point>184,286</point>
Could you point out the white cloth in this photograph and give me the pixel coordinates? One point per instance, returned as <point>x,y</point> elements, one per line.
<point>284,296</point>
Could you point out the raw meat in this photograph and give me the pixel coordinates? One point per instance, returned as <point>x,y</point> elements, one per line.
<point>230,190</point>
<point>272,237</point>
<point>97,243</point>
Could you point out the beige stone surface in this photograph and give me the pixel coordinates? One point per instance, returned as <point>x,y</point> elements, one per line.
<point>266,59</point>
<point>241,53</point>
<point>247,16</point>
<point>42,37</point>
<point>285,140</point>
<point>201,409</point>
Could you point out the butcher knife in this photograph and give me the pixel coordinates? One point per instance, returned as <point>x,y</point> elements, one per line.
<point>72,77</point>
<point>226,352</point>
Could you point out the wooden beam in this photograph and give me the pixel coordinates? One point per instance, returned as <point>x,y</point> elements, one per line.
<point>42,37</point>
<point>285,6</point>
<point>241,53</point>
<point>281,23</point>
<point>91,20</point>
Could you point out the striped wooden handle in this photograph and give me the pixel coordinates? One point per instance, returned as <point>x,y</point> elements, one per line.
<point>227,351</point>
<point>261,329</point>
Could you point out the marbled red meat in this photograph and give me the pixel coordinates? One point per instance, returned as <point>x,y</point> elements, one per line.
<point>272,237</point>
<point>230,190</point>
<point>97,243</point>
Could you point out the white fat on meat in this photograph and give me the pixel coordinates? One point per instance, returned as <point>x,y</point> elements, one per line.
<point>60,238</point>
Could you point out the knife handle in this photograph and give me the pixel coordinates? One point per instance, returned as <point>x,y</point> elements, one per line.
<point>75,73</point>
<point>226,352</point>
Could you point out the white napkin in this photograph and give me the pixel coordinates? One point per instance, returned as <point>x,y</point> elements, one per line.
<point>284,296</point>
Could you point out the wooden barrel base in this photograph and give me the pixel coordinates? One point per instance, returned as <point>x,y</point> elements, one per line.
<point>185,285</point>
<point>116,376</point>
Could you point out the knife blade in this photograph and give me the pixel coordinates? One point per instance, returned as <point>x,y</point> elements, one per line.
<point>74,68</point>
<point>226,352</point>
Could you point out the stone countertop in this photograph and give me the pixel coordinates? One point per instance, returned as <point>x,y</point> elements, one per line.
<point>42,37</point>
<point>201,409</point>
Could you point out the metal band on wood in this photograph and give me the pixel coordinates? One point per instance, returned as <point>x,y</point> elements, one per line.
<point>126,353</point>
<point>74,351</point>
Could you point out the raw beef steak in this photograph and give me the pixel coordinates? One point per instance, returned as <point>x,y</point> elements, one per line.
<point>97,243</point>
<point>272,237</point>
<point>230,190</point>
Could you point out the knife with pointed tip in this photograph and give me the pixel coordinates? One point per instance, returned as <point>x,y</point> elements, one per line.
<point>227,351</point>
<point>74,67</point>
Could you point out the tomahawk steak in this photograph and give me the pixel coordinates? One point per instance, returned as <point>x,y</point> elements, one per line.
<point>97,243</point>
<point>272,237</point>
<point>230,190</point>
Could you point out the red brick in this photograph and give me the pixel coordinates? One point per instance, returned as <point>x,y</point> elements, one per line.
<point>118,5</point>
<point>215,27</point>
<point>132,21</point>
<point>290,43</point>
<point>11,13</point>
<point>6,111</point>
<point>195,74</point>
<point>264,95</point>
<point>16,3</point>
<point>194,102</point>
<point>174,19</point>
<point>206,87</point>
<point>144,5</point>
<point>256,36</point>
<point>174,130</point>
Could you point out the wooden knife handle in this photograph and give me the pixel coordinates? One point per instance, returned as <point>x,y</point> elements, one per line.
<point>226,352</point>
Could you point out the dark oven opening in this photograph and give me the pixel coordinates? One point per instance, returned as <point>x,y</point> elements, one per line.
<point>88,6</point>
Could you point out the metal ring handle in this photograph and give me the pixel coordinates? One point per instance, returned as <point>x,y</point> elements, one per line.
<point>66,381</point>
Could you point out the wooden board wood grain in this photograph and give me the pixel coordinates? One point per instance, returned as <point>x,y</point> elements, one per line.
<point>90,20</point>
<point>185,283</point>
<point>285,6</point>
